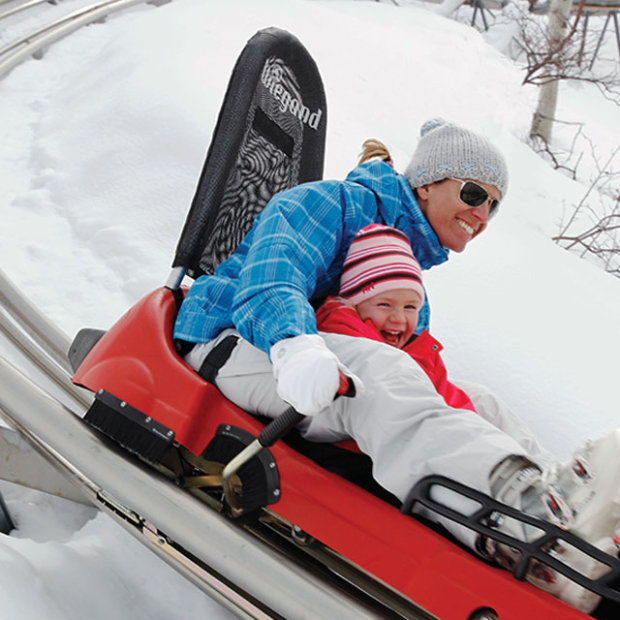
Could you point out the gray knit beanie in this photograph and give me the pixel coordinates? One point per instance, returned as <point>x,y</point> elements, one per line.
<point>447,150</point>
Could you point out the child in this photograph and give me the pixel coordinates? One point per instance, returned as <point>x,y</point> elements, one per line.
<point>381,293</point>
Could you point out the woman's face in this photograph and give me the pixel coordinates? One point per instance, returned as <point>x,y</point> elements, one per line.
<point>454,222</point>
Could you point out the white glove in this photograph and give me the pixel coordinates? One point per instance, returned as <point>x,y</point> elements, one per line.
<point>307,373</point>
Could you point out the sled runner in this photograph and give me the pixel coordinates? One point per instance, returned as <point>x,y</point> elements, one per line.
<point>269,136</point>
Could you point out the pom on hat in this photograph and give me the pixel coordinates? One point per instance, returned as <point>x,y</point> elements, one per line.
<point>379,259</point>
<point>447,150</point>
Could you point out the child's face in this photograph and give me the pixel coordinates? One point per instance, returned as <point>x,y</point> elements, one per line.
<point>393,313</point>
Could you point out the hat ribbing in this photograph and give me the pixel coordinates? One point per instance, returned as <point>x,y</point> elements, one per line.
<point>379,259</point>
<point>447,150</point>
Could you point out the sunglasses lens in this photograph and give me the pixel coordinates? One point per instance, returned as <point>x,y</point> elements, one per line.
<point>473,194</point>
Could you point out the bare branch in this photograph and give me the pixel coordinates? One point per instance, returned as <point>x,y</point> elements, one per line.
<point>600,240</point>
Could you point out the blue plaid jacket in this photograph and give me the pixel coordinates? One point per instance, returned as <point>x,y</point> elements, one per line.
<point>294,253</point>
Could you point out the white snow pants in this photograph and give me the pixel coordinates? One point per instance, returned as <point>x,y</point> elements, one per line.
<point>400,420</point>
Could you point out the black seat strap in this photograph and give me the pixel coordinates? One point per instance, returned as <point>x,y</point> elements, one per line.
<point>217,357</point>
<point>183,347</point>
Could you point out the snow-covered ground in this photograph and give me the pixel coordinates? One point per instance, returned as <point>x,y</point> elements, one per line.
<point>101,145</point>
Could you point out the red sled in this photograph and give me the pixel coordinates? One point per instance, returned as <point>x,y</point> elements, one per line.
<point>270,136</point>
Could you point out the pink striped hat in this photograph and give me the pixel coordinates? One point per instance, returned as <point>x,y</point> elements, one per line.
<point>379,259</point>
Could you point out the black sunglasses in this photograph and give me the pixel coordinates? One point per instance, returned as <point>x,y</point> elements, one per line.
<point>475,195</point>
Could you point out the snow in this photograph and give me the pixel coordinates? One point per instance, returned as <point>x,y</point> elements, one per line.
<point>66,561</point>
<point>102,142</point>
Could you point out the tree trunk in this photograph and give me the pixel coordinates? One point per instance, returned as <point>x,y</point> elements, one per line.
<point>542,122</point>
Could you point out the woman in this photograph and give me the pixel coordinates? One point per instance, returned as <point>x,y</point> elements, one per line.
<point>293,254</point>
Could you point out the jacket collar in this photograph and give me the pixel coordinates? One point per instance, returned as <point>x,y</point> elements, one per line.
<point>399,208</point>
<point>424,242</point>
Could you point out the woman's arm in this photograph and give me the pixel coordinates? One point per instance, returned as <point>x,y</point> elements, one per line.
<point>290,250</point>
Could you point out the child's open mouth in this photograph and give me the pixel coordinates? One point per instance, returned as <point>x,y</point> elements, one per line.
<point>392,337</point>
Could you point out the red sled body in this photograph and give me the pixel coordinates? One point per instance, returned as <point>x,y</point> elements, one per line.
<point>152,403</point>
<point>136,361</point>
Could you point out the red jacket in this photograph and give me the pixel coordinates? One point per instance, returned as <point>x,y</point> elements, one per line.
<point>338,318</point>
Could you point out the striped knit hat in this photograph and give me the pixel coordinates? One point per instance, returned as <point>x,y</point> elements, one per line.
<point>379,259</point>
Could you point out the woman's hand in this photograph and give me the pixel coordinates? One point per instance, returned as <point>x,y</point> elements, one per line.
<point>307,373</point>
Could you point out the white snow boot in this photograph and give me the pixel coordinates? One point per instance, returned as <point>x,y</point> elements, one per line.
<point>590,482</point>
<point>519,483</point>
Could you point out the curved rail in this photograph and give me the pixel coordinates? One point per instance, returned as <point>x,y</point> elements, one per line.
<point>34,43</point>
<point>24,6</point>
<point>41,342</point>
<point>52,340</point>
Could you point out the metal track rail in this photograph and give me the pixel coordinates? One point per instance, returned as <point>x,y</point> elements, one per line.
<point>23,6</point>
<point>38,340</point>
<point>34,43</point>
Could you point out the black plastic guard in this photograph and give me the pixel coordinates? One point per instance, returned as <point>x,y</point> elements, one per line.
<point>129,427</point>
<point>83,342</point>
<point>259,476</point>
<point>607,586</point>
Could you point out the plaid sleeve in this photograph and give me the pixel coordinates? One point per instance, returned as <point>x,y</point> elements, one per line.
<point>292,246</point>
